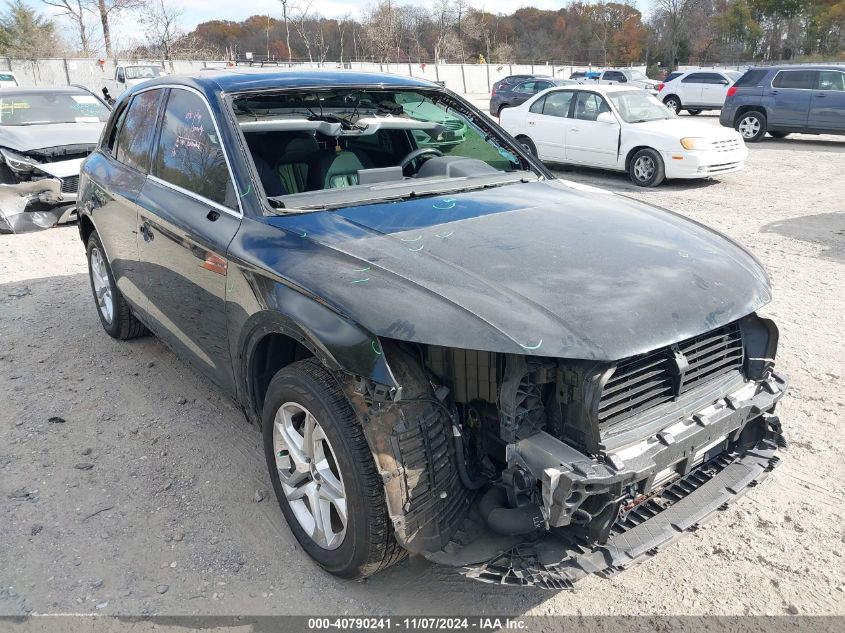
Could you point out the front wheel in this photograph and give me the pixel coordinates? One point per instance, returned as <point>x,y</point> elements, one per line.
<point>324,475</point>
<point>115,314</point>
<point>752,126</point>
<point>646,168</point>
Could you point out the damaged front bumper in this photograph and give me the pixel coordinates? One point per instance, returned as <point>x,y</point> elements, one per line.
<point>673,479</point>
<point>33,205</point>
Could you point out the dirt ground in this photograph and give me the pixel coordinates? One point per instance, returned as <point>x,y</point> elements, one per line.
<point>128,485</point>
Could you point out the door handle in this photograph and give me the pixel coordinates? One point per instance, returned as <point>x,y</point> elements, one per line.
<point>773,92</point>
<point>574,129</point>
<point>821,95</point>
<point>212,215</point>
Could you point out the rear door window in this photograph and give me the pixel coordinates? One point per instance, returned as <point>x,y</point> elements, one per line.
<point>526,87</point>
<point>557,104</point>
<point>136,129</point>
<point>797,79</point>
<point>190,154</point>
<point>694,78</point>
<point>751,78</point>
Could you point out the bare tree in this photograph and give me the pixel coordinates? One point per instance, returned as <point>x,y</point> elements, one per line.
<point>108,9</point>
<point>285,4</point>
<point>676,16</point>
<point>443,17</point>
<point>75,11</point>
<point>161,26</point>
<point>301,24</point>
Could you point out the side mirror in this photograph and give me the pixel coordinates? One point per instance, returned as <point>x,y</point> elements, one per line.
<point>606,117</point>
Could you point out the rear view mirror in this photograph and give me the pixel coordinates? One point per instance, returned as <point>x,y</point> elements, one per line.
<point>606,117</point>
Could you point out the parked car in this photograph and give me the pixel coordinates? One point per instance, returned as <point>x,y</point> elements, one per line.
<point>631,77</point>
<point>514,79</point>
<point>696,90</point>
<point>623,129</point>
<point>514,94</point>
<point>785,99</point>
<point>8,80</point>
<point>458,355</point>
<point>128,75</point>
<point>45,133</point>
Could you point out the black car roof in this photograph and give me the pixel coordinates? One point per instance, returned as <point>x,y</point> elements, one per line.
<point>801,67</point>
<point>244,79</point>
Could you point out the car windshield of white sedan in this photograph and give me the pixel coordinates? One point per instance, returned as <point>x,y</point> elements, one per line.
<point>638,106</point>
<point>46,108</point>
<point>341,147</point>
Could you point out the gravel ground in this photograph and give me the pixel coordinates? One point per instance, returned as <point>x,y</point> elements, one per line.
<point>128,485</point>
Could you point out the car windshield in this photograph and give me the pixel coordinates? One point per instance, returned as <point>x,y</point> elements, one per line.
<point>637,75</point>
<point>638,106</point>
<point>43,109</point>
<point>341,147</point>
<point>143,72</point>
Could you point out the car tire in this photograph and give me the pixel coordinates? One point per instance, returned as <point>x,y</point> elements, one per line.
<point>528,144</point>
<point>673,102</point>
<point>779,134</point>
<point>114,312</point>
<point>646,168</point>
<point>694,112</point>
<point>304,394</point>
<point>751,126</point>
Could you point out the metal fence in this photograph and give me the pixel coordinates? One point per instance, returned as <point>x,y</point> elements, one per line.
<point>462,78</point>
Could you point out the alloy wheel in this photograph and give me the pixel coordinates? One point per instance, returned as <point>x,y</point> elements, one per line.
<point>644,168</point>
<point>749,127</point>
<point>102,285</point>
<point>309,474</point>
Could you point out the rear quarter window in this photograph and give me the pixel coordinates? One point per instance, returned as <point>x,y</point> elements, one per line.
<point>751,78</point>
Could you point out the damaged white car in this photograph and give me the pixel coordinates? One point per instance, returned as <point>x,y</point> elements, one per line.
<point>45,134</point>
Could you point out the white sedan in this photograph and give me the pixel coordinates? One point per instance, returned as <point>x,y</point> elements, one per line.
<point>624,129</point>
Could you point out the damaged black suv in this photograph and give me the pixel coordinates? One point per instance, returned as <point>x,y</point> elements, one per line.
<point>450,352</point>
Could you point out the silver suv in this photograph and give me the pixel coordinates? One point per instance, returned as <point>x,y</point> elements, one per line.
<point>697,90</point>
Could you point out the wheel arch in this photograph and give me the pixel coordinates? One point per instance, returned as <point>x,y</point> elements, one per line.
<point>745,109</point>
<point>634,150</point>
<point>271,340</point>
<point>85,225</point>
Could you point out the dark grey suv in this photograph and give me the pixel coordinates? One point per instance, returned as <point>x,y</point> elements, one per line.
<point>781,100</point>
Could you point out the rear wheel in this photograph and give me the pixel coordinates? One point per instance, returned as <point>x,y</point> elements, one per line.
<point>778,134</point>
<point>673,102</point>
<point>694,112</point>
<point>324,475</point>
<point>115,314</point>
<point>751,126</point>
<point>646,168</point>
<point>528,144</point>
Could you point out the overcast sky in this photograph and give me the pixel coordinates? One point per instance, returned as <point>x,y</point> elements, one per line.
<point>196,11</point>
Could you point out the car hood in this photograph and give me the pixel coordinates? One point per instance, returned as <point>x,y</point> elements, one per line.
<point>22,138</point>
<point>681,127</point>
<point>538,268</point>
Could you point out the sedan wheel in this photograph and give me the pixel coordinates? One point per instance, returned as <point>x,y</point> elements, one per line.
<point>646,168</point>
<point>309,475</point>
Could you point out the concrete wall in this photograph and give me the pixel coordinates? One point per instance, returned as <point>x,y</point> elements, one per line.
<point>462,78</point>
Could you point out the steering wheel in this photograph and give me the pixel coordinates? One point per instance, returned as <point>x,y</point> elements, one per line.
<point>410,157</point>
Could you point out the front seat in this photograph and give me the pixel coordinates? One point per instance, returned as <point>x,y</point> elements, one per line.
<point>339,169</point>
<point>295,161</point>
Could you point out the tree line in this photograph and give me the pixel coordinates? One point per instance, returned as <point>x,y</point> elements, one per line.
<point>447,31</point>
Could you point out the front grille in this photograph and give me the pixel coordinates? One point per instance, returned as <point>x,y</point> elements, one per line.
<point>727,145</point>
<point>644,382</point>
<point>70,184</point>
